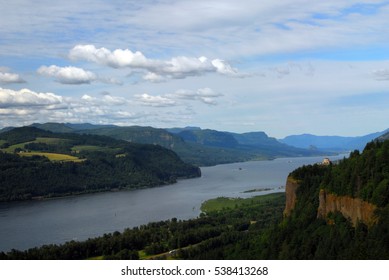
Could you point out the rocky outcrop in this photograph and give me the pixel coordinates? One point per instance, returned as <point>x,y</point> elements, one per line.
<point>290,193</point>
<point>353,208</point>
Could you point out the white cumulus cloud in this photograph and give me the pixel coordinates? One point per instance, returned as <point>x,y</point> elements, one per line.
<point>105,100</point>
<point>157,70</point>
<point>117,59</point>
<point>181,67</point>
<point>153,77</point>
<point>25,97</point>
<point>223,67</point>
<point>10,78</point>
<point>154,101</point>
<point>68,75</point>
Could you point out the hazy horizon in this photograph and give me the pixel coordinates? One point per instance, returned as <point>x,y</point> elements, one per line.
<point>204,128</point>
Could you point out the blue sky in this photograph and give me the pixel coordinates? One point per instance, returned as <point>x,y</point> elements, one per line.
<point>283,67</point>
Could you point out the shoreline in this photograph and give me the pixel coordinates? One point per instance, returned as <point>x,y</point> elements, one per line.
<point>243,202</point>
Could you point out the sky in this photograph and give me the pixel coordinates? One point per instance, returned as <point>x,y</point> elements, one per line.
<point>282,67</point>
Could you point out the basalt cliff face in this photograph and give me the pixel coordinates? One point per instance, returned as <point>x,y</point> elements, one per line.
<point>353,208</point>
<point>290,192</point>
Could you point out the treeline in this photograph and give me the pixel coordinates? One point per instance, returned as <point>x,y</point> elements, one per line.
<point>364,175</point>
<point>64,143</point>
<point>187,239</point>
<point>117,165</point>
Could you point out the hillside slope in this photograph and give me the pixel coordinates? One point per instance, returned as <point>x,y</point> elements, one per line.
<point>201,147</point>
<point>39,163</point>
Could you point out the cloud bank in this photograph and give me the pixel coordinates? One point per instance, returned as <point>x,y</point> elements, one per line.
<point>179,67</point>
<point>26,98</point>
<point>204,95</point>
<point>26,106</point>
<point>154,101</point>
<point>73,75</point>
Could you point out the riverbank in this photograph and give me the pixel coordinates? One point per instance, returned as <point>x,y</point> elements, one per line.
<point>173,239</point>
<point>225,203</point>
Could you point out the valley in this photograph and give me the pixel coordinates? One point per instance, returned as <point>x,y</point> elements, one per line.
<point>215,216</point>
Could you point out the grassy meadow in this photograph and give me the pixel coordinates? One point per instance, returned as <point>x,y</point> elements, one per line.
<point>224,203</point>
<point>52,156</point>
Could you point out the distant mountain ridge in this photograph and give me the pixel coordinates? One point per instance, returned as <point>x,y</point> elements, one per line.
<point>331,143</point>
<point>202,147</point>
<point>205,147</point>
<point>384,137</point>
<point>68,127</point>
<point>254,142</point>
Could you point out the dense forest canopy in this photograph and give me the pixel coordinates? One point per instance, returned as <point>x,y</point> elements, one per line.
<point>364,175</point>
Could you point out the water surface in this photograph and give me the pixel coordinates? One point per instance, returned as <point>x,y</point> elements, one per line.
<point>34,223</point>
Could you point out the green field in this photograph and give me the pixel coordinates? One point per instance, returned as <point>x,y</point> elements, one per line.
<point>52,141</point>
<point>91,148</point>
<point>45,140</point>
<point>222,203</point>
<point>52,156</point>
<point>12,148</point>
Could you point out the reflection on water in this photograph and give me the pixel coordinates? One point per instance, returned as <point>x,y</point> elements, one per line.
<point>34,223</point>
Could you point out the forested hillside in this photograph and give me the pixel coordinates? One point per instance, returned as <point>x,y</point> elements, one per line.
<point>363,175</point>
<point>304,235</point>
<point>36,163</point>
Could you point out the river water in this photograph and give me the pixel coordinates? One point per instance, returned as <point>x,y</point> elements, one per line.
<point>34,223</point>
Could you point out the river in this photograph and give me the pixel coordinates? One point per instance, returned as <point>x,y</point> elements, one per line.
<point>34,223</point>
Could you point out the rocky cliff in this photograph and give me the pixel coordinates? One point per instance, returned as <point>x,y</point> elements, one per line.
<point>353,208</point>
<point>290,192</point>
